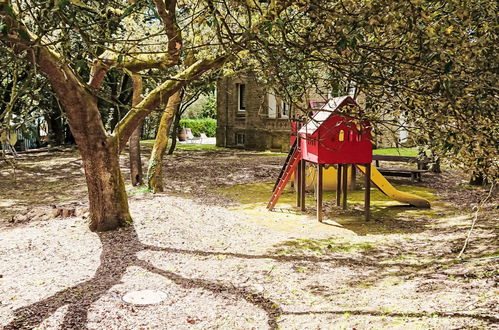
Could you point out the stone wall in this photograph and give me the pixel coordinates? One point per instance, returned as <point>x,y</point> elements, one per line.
<point>260,132</point>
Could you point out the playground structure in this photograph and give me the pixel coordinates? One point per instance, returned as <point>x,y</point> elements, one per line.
<point>335,140</point>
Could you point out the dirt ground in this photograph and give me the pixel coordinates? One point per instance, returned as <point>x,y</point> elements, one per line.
<point>224,262</point>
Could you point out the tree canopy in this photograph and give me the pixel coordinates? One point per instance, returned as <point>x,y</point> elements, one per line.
<point>434,62</point>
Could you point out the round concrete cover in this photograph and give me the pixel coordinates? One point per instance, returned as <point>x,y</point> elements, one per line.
<point>144,297</point>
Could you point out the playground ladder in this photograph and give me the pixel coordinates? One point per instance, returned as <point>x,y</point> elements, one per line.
<point>288,168</point>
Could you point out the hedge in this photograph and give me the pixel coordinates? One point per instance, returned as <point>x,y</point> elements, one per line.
<point>207,126</point>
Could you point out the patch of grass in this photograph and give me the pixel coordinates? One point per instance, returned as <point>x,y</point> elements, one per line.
<point>261,192</point>
<point>301,269</point>
<point>198,147</point>
<point>386,310</point>
<point>185,146</point>
<point>321,246</point>
<point>271,153</point>
<point>410,152</point>
<point>490,255</point>
<point>149,143</point>
<point>255,196</point>
<point>138,190</point>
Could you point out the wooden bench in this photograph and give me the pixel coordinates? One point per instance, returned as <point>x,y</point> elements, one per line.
<point>414,174</point>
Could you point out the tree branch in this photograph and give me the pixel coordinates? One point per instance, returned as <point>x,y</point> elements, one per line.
<point>157,97</point>
<point>126,126</point>
<point>72,93</point>
<point>166,10</point>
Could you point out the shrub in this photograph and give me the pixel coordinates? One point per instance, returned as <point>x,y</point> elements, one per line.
<point>207,126</point>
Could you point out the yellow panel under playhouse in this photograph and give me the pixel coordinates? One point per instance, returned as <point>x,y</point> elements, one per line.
<point>377,179</point>
<point>329,178</point>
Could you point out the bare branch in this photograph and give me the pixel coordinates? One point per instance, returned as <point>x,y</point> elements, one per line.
<point>160,95</point>
<point>166,10</point>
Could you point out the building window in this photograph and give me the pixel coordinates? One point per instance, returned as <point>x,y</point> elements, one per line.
<point>272,104</point>
<point>241,97</point>
<point>240,139</point>
<point>284,110</point>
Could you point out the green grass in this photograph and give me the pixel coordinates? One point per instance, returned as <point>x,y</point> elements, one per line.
<point>138,190</point>
<point>321,246</point>
<point>198,147</point>
<point>271,153</point>
<point>181,146</point>
<point>410,152</point>
<point>260,192</point>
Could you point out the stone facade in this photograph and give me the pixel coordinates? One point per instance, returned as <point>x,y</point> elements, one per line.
<point>257,126</point>
<point>263,126</point>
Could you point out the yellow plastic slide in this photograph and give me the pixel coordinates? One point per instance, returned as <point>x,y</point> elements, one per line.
<point>386,188</point>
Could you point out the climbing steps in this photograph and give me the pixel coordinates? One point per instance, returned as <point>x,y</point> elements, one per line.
<point>288,168</point>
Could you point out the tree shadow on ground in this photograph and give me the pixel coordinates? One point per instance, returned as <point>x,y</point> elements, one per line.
<point>408,258</point>
<point>39,185</point>
<point>119,251</point>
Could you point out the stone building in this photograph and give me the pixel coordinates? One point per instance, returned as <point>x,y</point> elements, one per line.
<point>250,116</point>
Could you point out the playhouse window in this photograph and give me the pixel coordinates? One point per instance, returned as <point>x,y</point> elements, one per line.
<point>240,139</point>
<point>241,97</point>
<point>341,136</point>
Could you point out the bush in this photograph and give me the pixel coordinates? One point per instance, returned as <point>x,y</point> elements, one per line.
<point>207,126</point>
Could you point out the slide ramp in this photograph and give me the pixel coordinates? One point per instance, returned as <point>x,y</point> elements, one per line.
<point>386,188</point>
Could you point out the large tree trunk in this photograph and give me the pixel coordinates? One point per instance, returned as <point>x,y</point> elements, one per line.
<point>108,203</point>
<point>134,142</point>
<point>154,171</point>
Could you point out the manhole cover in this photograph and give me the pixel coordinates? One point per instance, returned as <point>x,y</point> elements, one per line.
<point>144,297</point>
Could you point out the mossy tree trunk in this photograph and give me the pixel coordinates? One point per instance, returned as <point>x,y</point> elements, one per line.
<point>134,142</point>
<point>100,149</point>
<point>108,203</point>
<point>154,171</point>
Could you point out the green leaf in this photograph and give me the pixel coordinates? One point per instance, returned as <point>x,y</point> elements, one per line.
<point>8,9</point>
<point>268,26</point>
<point>23,34</point>
<point>120,58</point>
<point>448,67</point>
<point>342,44</point>
<point>353,42</point>
<point>63,4</point>
<point>129,9</point>
<point>3,28</point>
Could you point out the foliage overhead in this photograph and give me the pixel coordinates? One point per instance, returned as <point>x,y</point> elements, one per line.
<point>432,62</point>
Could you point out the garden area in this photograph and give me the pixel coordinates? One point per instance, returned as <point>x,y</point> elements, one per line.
<point>297,164</point>
<point>224,261</point>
